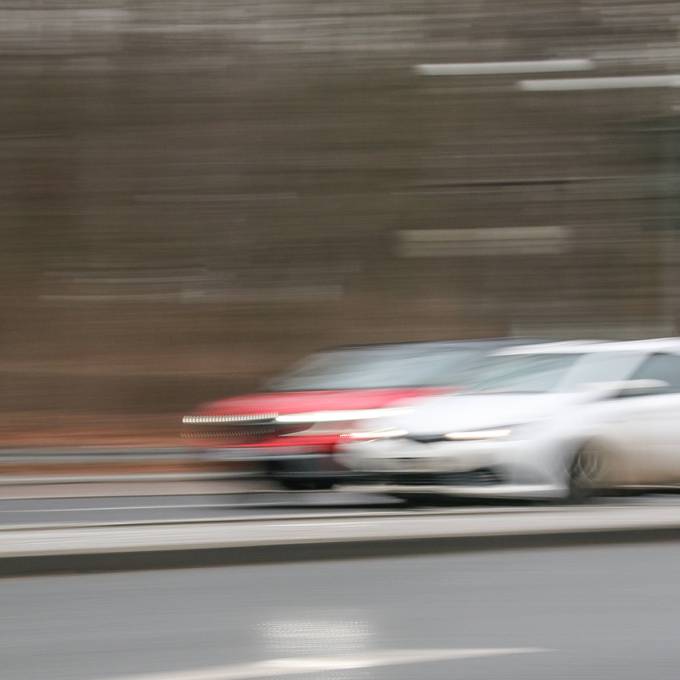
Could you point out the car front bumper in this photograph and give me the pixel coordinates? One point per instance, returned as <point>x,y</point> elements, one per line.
<point>405,456</point>
<point>485,468</point>
<point>255,454</point>
<point>498,491</point>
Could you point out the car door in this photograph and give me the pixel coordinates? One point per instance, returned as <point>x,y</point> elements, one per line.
<point>647,425</point>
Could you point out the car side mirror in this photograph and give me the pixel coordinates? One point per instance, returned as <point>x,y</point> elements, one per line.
<point>625,388</point>
<point>641,388</point>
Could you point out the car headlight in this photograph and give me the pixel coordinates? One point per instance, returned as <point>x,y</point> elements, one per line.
<point>372,435</point>
<point>338,416</point>
<point>477,435</point>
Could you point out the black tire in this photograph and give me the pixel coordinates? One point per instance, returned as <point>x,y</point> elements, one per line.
<point>304,484</point>
<point>299,475</point>
<point>585,474</point>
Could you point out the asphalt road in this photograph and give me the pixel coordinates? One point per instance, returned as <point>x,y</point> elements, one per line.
<point>592,612</point>
<point>47,511</point>
<point>211,507</point>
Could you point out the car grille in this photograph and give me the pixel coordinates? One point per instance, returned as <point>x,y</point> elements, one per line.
<point>426,438</point>
<point>247,429</point>
<point>481,477</point>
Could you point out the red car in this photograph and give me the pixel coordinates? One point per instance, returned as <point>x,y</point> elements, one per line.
<point>291,427</point>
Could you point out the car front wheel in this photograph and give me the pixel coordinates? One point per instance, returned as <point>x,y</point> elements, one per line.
<point>586,474</point>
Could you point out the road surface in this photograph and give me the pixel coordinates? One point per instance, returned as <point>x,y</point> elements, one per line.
<point>563,613</point>
<point>17,511</point>
<point>211,506</point>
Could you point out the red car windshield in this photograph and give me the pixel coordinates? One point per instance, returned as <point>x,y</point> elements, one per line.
<point>378,368</point>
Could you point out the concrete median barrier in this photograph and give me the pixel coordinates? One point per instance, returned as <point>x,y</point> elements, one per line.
<point>93,464</point>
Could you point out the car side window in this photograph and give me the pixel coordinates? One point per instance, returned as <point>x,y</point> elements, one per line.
<point>663,367</point>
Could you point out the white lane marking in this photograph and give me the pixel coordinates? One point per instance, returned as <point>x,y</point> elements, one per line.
<point>501,67</point>
<point>126,507</point>
<point>607,83</point>
<point>298,665</point>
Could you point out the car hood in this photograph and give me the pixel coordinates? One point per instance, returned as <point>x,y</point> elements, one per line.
<point>301,402</point>
<point>481,411</point>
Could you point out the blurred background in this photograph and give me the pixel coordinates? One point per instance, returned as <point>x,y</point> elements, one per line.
<point>193,194</point>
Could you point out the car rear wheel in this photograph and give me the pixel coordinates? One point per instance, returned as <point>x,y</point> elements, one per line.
<point>304,484</point>
<point>298,476</point>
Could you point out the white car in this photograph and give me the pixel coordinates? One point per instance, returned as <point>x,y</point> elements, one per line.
<point>557,420</point>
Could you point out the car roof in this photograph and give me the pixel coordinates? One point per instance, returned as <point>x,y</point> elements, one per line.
<point>481,343</point>
<point>596,346</point>
<point>650,345</point>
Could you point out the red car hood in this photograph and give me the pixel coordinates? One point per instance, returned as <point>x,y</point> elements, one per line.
<point>322,400</point>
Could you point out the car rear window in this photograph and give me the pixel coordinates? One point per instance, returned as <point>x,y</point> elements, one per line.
<point>383,367</point>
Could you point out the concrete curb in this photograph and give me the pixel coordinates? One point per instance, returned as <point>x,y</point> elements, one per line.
<point>106,454</point>
<point>18,566</point>
<point>41,552</point>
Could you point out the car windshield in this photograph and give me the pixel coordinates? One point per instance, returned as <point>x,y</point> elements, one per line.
<point>522,372</point>
<point>378,368</point>
<point>600,367</point>
<point>552,372</point>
